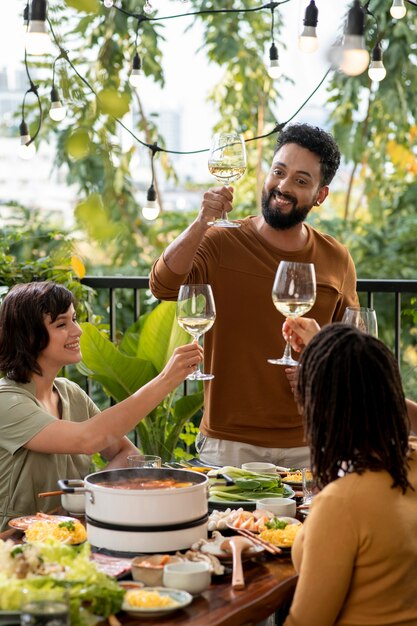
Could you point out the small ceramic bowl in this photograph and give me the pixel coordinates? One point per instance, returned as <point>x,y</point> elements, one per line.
<point>261,468</point>
<point>74,503</point>
<point>191,576</point>
<point>278,506</point>
<point>150,569</point>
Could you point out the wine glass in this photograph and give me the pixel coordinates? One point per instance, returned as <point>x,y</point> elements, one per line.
<point>196,313</point>
<point>363,318</point>
<point>293,294</point>
<point>227,163</point>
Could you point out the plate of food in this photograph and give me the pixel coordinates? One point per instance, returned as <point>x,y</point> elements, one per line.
<point>294,478</point>
<point>23,523</point>
<point>153,602</point>
<point>69,531</point>
<point>277,531</point>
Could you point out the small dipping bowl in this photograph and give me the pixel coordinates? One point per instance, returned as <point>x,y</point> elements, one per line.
<point>73,503</point>
<point>261,468</point>
<point>278,506</point>
<point>191,576</point>
<point>150,569</point>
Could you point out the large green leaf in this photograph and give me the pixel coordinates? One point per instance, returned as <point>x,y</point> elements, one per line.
<point>120,375</point>
<point>160,335</point>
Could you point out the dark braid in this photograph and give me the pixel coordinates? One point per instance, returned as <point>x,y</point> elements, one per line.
<point>355,415</point>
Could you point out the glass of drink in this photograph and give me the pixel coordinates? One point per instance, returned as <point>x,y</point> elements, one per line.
<point>293,294</point>
<point>363,318</point>
<point>308,485</point>
<point>144,460</point>
<point>227,163</point>
<point>196,313</point>
<point>45,607</point>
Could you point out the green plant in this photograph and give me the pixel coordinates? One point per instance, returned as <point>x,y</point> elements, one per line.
<point>141,355</point>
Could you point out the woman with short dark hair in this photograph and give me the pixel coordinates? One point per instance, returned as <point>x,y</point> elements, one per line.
<point>357,552</point>
<point>49,427</point>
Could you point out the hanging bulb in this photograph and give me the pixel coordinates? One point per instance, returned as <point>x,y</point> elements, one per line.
<point>307,41</point>
<point>134,78</point>
<point>377,71</point>
<point>26,17</point>
<point>147,7</point>
<point>151,209</point>
<point>26,150</point>
<point>37,39</point>
<point>398,9</point>
<point>108,4</point>
<point>274,69</point>
<point>355,57</point>
<point>57,112</point>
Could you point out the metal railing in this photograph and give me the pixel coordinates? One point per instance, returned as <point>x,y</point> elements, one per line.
<point>369,288</point>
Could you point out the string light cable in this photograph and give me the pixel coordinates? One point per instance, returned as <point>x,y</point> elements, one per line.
<point>354,28</point>
<point>27,147</point>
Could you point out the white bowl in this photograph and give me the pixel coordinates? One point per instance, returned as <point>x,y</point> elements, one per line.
<point>191,576</point>
<point>278,506</point>
<point>261,468</point>
<point>152,572</point>
<point>74,503</point>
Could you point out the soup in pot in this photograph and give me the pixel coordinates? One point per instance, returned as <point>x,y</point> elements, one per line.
<point>145,483</point>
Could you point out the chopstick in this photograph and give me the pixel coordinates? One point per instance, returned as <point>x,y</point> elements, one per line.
<point>45,494</point>
<point>269,547</point>
<point>113,621</point>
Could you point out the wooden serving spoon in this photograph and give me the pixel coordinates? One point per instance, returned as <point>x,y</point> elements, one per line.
<point>236,545</point>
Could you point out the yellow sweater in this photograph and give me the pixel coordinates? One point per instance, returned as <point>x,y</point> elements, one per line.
<point>250,400</point>
<point>357,554</point>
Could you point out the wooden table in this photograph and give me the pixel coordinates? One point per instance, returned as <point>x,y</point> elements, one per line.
<point>270,583</point>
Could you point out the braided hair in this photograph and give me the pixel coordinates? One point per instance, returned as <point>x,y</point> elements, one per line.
<point>355,416</point>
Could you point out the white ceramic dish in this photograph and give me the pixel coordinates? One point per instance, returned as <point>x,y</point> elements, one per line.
<point>181,598</point>
<point>278,506</point>
<point>152,574</point>
<point>249,505</point>
<point>226,557</point>
<point>260,468</point>
<point>191,576</point>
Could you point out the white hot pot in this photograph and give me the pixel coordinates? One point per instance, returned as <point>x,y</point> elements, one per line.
<point>132,520</point>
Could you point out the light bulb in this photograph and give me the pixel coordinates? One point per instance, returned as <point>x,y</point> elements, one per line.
<point>151,210</point>
<point>307,41</point>
<point>148,7</point>
<point>26,150</point>
<point>355,57</point>
<point>274,69</point>
<point>377,71</point>
<point>57,112</point>
<point>134,78</point>
<point>108,4</point>
<point>37,40</point>
<point>398,9</point>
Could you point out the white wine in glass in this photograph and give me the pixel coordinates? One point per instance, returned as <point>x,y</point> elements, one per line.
<point>227,163</point>
<point>293,294</point>
<point>196,313</point>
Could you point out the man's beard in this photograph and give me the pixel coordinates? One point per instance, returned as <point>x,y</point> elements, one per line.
<point>282,221</point>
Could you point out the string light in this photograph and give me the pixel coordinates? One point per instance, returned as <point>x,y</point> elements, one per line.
<point>151,209</point>
<point>37,38</point>
<point>57,112</point>
<point>108,4</point>
<point>377,71</point>
<point>274,69</point>
<point>27,149</point>
<point>308,42</point>
<point>355,57</point>
<point>134,78</point>
<point>148,7</point>
<point>398,9</point>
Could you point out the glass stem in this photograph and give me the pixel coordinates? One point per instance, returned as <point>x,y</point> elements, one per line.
<point>287,351</point>
<point>196,338</point>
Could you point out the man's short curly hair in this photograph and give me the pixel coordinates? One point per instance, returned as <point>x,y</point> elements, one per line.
<point>317,141</point>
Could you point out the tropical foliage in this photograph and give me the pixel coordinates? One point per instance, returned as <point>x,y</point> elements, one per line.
<point>143,352</point>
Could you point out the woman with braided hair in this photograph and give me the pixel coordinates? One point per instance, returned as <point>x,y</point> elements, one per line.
<point>357,552</point>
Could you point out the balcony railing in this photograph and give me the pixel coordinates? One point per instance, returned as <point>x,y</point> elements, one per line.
<point>368,289</point>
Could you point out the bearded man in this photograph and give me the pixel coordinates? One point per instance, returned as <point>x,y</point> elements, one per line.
<point>250,413</point>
